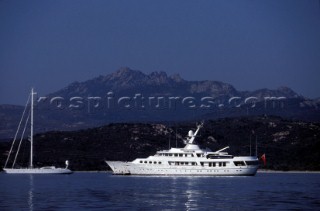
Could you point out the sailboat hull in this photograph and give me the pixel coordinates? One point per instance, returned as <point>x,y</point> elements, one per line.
<point>37,171</point>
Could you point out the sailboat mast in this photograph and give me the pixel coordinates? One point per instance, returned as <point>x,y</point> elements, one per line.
<point>31,133</point>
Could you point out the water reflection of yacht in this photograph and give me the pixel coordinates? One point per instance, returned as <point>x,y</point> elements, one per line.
<point>190,160</point>
<point>30,193</point>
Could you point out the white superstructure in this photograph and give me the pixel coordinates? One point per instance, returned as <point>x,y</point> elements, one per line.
<point>31,169</point>
<point>190,160</point>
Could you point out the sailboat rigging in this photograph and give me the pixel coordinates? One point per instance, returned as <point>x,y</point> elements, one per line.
<point>31,169</point>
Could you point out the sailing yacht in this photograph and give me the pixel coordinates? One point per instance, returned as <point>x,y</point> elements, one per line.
<point>31,169</point>
<point>190,160</point>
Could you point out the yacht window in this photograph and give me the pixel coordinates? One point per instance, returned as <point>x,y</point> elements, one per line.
<point>140,161</point>
<point>150,162</point>
<point>180,155</point>
<point>239,163</point>
<point>145,162</point>
<point>224,163</point>
<point>252,162</point>
<point>154,162</point>
<point>159,162</point>
<point>219,156</point>
<point>176,155</point>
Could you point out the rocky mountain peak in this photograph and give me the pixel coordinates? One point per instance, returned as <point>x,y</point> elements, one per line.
<point>176,78</point>
<point>126,73</point>
<point>159,78</point>
<point>287,91</point>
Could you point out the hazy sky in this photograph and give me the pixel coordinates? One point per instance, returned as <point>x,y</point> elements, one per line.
<point>249,44</point>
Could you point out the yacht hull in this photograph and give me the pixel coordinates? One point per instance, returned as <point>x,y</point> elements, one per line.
<point>129,168</point>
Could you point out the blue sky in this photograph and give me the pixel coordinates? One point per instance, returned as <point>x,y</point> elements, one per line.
<point>249,44</point>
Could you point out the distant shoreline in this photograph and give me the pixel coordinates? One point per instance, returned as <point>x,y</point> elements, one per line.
<point>98,171</point>
<point>284,172</point>
<point>259,171</point>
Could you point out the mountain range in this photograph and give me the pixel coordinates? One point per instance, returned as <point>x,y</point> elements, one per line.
<point>128,95</point>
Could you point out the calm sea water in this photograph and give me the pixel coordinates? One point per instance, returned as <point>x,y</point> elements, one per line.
<point>103,191</point>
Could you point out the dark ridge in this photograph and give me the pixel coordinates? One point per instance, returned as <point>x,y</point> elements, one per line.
<point>288,145</point>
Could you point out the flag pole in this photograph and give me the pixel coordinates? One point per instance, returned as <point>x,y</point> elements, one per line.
<point>250,143</point>
<point>256,146</point>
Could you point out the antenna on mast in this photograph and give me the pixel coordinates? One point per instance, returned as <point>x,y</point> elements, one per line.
<point>169,141</point>
<point>176,138</point>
